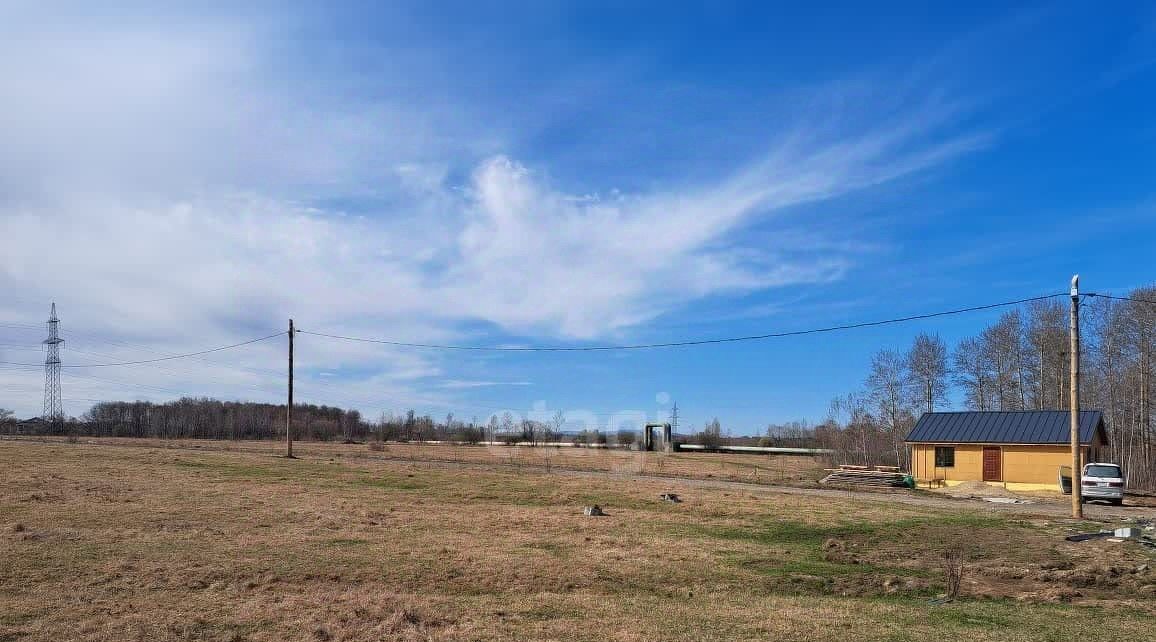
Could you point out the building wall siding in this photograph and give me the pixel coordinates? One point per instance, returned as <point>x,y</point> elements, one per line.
<point>968,463</point>
<point>1021,464</point>
<point>1036,464</point>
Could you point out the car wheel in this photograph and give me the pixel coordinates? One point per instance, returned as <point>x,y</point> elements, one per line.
<point>1117,502</point>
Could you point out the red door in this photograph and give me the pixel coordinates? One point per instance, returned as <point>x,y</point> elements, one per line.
<point>992,464</point>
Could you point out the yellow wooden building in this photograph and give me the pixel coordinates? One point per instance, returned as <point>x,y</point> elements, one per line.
<point>1019,450</point>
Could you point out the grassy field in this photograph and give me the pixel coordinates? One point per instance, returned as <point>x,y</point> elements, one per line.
<point>145,543</point>
<point>775,469</point>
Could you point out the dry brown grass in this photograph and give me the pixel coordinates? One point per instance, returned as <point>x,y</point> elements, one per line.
<point>145,543</point>
<point>761,469</point>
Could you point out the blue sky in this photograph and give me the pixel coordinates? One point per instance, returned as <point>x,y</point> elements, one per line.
<point>553,173</point>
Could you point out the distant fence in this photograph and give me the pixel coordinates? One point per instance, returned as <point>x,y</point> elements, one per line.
<point>768,450</point>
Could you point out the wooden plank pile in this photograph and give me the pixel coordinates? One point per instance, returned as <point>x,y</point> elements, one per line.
<point>879,476</point>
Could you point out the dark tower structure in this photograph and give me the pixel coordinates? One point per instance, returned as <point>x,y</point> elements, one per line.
<point>53,408</point>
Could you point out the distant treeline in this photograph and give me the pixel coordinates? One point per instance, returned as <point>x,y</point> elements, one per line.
<point>190,418</point>
<point>204,418</point>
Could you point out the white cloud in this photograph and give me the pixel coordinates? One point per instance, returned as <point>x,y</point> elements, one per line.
<point>462,383</point>
<point>176,187</point>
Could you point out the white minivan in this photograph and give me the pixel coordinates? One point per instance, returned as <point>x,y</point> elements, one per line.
<point>1102,481</point>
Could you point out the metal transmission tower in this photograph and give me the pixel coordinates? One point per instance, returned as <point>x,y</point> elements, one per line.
<point>53,408</point>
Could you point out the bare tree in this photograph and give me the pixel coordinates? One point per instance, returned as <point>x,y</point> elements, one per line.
<point>927,372</point>
<point>559,422</point>
<point>507,425</point>
<point>973,374</point>
<point>886,387</point>
<point>954,563</point>
<point>531,431</point>
<point>493,428</point>
<point>6,419</point>
<point>711,435</point>
<point>853,433</point>
<point>1135,441</point>
<point>1001,346</point>
<point>1047,339</point>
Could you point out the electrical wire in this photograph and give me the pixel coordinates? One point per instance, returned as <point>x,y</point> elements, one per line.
<point>185,372</point>
<point>21,326</point>
<point>1120,298</point>
<point>128,384</point>
<point>146,361</point>
<point>116,343</point>
<point>333,390</point>
<point>693,342</point>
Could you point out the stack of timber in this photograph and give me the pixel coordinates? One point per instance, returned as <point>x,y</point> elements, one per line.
<point>880,476</point>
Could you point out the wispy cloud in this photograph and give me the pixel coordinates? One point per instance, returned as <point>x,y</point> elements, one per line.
<point>189,190</point>
<point>455,384</point>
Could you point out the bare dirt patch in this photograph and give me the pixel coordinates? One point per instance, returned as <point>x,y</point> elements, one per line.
<point>1037,565</point>
<point>971,489</point>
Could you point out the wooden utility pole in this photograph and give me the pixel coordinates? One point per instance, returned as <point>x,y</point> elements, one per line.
<point>1077,495</point>
<point>289,407</point>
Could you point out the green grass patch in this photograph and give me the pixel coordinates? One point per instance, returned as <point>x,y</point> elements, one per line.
<point>828,569</point>
<point>794,549</point>
<point>775,531</point>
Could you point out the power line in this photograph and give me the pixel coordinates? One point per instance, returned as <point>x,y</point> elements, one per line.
<point>132,346</point>
<point>168,358</point>
<point>186,373</point>
<point>693,342</point>
<point>189,374</point>
<point>20,326</point>
<point>1120,298</point>
<point>129,384</point>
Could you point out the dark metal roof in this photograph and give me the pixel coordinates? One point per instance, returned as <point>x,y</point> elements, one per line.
<point>1021,427</point>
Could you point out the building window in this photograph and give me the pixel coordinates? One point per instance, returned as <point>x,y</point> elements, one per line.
<point>944,457</point>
